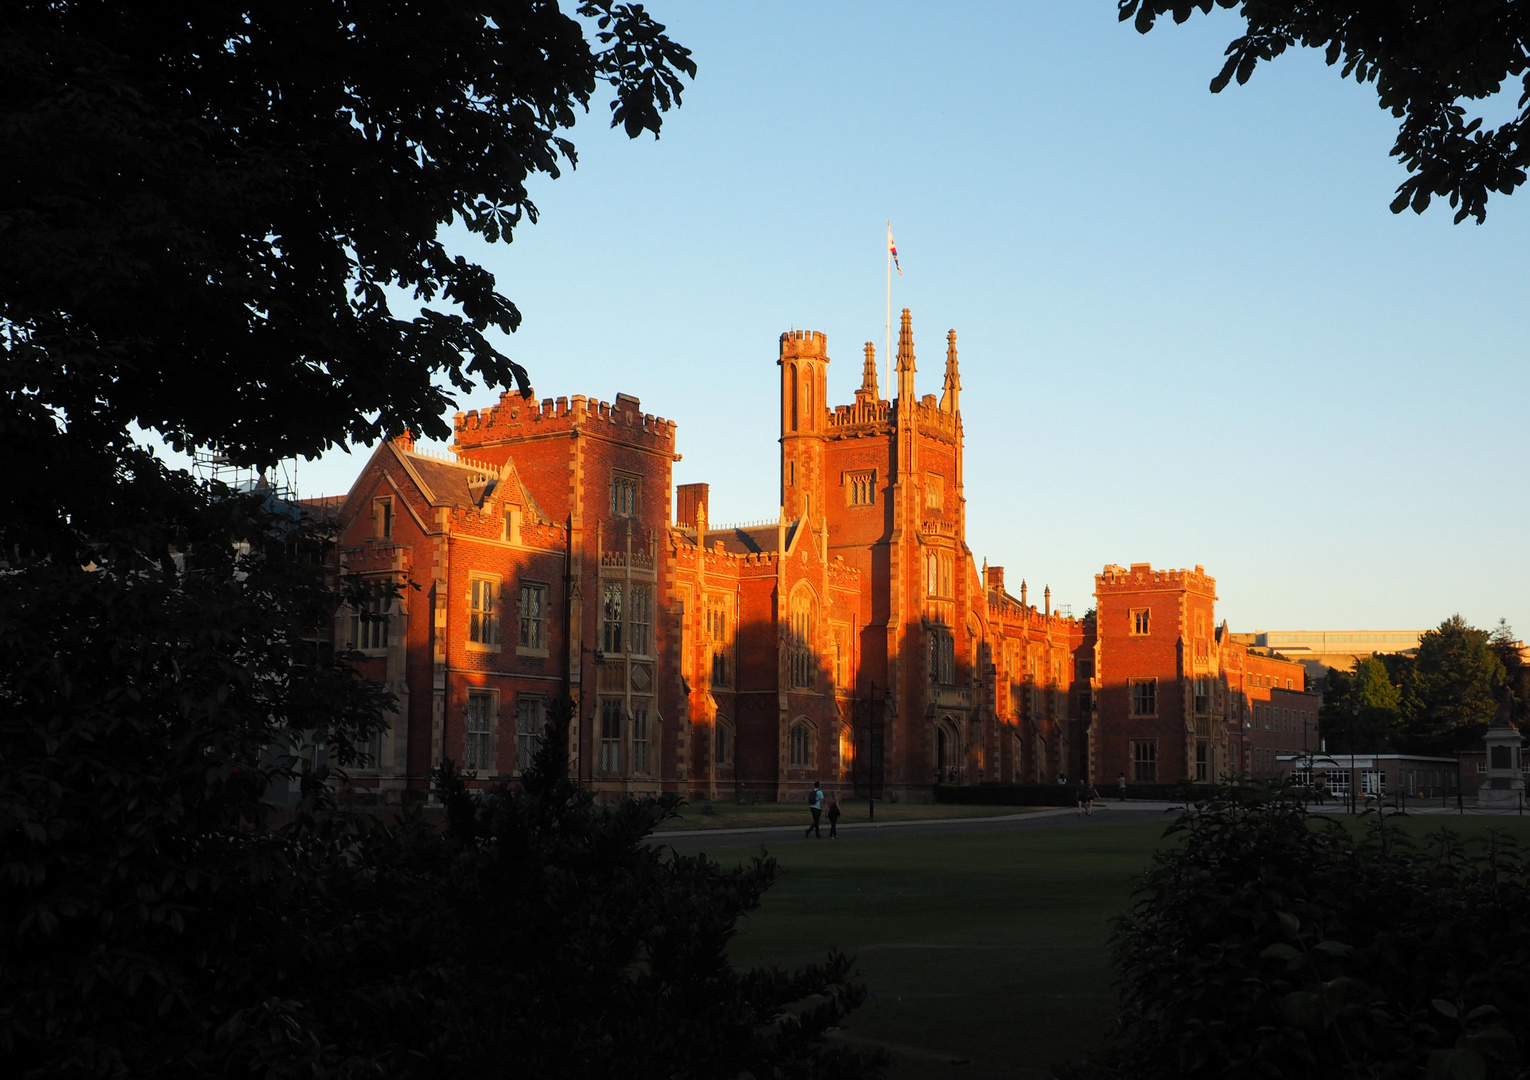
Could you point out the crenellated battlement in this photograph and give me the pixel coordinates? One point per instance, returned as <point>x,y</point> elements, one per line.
<point>843,574</point>
<point>1121,579</point>
<point>804,345</point>
<point>931,415</point>
<point>861,412</point>
<point>514,417</point>
<point>617,560</point>
<point>537,534</point>
<point>1006,609</point>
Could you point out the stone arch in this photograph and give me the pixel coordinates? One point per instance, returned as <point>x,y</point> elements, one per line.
<point>949,754</point>
<point>724,742</point>
<point>802,743</point>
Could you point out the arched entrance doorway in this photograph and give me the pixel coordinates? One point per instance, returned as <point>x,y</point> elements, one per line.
<point>948,753</point>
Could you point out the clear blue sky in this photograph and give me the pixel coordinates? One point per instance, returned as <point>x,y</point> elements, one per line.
<point>1190,329</point>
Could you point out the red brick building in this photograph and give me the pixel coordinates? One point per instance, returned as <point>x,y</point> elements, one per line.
<point>850,638</point>
<point>1176,698</point>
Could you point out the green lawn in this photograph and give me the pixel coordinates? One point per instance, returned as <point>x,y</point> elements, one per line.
<point>726,814</point>
<point>986,954</point>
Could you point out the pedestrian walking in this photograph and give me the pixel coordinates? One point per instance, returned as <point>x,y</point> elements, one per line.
<point>1080,794</point>
<point>815,806</point>
<point>1121,785</point>
<point>834,815</point>
<point>1091,793</point>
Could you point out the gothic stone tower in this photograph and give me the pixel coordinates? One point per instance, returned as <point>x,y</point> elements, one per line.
<point>888,479</point>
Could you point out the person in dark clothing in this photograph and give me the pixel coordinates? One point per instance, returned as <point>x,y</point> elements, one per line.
<point>815,806</point>
<point>834,815</point>
<point>1087,797</point>
<point>1121,785</point>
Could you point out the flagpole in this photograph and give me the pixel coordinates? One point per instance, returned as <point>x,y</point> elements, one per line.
<point>887,329</point>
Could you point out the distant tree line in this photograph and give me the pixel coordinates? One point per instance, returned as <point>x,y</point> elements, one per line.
<point>1438,701</point>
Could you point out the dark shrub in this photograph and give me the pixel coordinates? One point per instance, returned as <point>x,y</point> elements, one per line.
<point>1272,943</point>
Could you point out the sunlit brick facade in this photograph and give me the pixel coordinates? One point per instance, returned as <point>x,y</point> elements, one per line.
<point>1176,698</point>
<point>850,638</point>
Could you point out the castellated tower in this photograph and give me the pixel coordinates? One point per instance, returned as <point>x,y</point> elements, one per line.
<point>804,363</point>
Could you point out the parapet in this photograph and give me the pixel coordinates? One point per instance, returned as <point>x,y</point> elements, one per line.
<point>513,418</point>
<point>804,345</point>
<point>1143,574</point>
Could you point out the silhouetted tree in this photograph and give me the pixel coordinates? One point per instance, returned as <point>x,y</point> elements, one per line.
<point>203,210</point>
<point>1425,58</point>
<point>205,207</point>
<point>1452,693</point>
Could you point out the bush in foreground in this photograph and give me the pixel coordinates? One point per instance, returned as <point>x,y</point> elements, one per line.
<point>1270,943</point>
<point>158,923</point>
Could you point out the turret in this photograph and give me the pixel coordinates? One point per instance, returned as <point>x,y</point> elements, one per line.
<point>951,392</point>
<point>804,362</point>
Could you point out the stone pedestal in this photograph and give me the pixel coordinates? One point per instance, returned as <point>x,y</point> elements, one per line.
<point>1504,786</point>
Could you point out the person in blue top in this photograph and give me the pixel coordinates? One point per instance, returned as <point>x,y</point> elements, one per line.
<point>815,804</point>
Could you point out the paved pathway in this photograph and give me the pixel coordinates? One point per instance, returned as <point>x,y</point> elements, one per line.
<point>781,836</point>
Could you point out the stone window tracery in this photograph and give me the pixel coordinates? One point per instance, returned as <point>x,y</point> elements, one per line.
<point>861,488</point>
<point>800,744</point>
<point>611,619</point>
<point>800,645</point>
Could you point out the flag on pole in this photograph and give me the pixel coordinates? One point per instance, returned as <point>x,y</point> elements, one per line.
<point>892,249</point>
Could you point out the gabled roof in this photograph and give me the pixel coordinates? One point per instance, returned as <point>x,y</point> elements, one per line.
<point>446,483</point>
<point>458,484</point>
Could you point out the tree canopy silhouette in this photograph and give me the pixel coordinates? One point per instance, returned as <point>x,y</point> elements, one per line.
<point>1425,57</point>
<point>205,207</point>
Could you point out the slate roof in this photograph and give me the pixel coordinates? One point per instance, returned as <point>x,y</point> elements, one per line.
<point>451,483</point>
<point>751,541</point>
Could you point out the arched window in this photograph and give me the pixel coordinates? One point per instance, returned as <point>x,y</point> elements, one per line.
<point>807,380</point>
<point>800,740</point>
<point>800,639</point>
<point>792,376</point>
<point>932,574</point>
